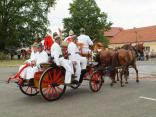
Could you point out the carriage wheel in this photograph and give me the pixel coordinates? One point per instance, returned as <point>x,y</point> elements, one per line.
<point>96,81</point>
<point>52,84</point>
<point>27,90</point>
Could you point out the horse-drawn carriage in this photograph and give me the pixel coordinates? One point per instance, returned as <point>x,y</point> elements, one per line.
<point>49,81</point>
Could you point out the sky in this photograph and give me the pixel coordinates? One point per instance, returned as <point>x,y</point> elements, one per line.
<point>123,13</point>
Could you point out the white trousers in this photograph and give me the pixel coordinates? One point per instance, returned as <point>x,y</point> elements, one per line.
<point>67,64</point>
<point>86,50</point>
<point>81,63</point>
<point>28,72</point>
<point>77,66</point>
<point>23,73</point>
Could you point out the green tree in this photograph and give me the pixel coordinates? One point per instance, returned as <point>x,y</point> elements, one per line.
<point>86,13</point>
<point>21,20</point>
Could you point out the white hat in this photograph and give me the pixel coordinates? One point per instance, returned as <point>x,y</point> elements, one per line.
<point>71,32</point>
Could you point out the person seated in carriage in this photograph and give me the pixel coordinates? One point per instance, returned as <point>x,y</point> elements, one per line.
<point>56,53</point>
<point>33,65</point>
<point>48,41</point>
<point>79,62</point>
<point>85,40</point>
<point>55,34</point>
<point>34,53</point>
<point>68,39</point>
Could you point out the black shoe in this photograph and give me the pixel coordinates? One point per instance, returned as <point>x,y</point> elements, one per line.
<point>25,82</point>
<point>31,82</point>
<point>83,72</point>
<point>75,82</point>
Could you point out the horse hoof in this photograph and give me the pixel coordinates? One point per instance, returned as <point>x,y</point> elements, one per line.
<point>114,82</point>
<point>126,82</point>
<point>122,85</point>
<point>111,84</point>
<point>137,81</point>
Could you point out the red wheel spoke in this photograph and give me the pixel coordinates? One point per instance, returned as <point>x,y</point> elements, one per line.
<point>48,92</point>
<point>60,89</point>
<point>50,77</point>
<point>60,81</point>
<point>57,77</point>
<point>54,74</point>
<point>45,90</point>
<point>52,91</point>
<point>56,92</point>
<point>46,82</point>
<point>30,90</point>
<point>27,89</point>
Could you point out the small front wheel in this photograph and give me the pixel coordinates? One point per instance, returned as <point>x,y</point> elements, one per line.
<point>52,84</point>
<point>28,90</point>
<point>96,81</point>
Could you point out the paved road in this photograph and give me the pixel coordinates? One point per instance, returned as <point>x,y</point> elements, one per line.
<point>109,102</point>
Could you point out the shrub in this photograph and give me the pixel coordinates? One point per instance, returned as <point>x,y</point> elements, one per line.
<point>2,56</point>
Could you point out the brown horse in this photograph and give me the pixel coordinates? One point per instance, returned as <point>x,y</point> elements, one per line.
<point>105,57</point>
<point>123,58</point>
<point>132,54</point>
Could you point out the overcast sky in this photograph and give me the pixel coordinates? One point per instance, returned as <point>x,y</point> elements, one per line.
<point>123,13</point>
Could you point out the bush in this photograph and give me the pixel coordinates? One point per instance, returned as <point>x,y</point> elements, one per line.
<point>2,56</point>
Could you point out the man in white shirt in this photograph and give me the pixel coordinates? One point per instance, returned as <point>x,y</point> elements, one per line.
<point>56,53</point>
<point>41,57</point>
<point>85,40</point>
<point>80,62</point>
<point>34,53</point>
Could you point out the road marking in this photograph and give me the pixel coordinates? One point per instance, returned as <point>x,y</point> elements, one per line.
<point>147,98</point>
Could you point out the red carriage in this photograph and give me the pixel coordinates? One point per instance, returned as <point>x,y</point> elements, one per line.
<point>49,81</point>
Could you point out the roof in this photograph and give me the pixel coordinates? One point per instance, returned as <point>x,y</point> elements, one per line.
<point>144,34</point>
<point>113,31</point>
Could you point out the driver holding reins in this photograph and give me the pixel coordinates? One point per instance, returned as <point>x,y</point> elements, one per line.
<point>86,41</point>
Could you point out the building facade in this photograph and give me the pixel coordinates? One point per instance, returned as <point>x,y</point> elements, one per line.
<point>146,35</point>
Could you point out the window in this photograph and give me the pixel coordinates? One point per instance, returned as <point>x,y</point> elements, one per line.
<point>147,48</point>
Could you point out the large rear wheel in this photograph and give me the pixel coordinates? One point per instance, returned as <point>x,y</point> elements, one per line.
<point>96,81</point>
<point>52,84</point>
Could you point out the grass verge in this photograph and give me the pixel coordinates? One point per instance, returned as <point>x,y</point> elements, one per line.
<point>11,63</point>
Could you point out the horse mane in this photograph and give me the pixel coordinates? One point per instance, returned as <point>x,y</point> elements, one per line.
<point>99,45</point>
<point>130,47</point>
<point>127,47</point>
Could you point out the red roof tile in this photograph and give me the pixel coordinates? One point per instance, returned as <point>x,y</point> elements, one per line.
<point>144,34</point>
<point>113,31</point>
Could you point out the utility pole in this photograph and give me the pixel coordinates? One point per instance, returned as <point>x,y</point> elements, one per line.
<point>136,34</point>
